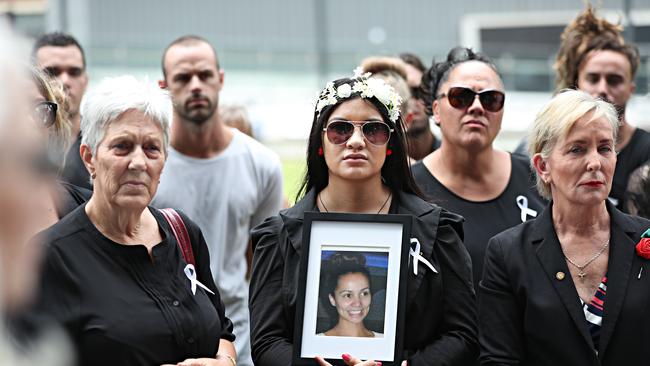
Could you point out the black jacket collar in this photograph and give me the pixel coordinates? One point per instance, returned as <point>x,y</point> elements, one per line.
<point>624,233</point>
<point>293,217</point>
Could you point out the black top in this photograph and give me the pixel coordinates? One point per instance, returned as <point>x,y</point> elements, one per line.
<point>485,219</point>
<point>530,310</point>
<point>75,171</point>
<point>440,322</point>
<point>123,307</point>
<point>70,197</point>
<point>632,156</point>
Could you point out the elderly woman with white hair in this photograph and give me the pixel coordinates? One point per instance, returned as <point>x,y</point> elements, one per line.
<point>130,283</point>
<point>569,288</point>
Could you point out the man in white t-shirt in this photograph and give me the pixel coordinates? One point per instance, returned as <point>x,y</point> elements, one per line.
<point>224,180</point>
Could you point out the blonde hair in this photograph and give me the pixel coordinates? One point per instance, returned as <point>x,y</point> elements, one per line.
<point>235,116</point>
<point>393,71</point>
<point>557,117</point>
<point>52,91</point>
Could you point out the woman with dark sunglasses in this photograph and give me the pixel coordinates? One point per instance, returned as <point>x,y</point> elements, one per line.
<point>357,163</point>
<point>47,113</point>
<point>492,189</point>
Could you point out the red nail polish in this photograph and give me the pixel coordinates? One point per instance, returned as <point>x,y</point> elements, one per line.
<point>346,357</point>
<point>378,363</point>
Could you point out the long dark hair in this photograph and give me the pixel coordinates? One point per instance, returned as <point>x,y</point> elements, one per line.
<point>395,173</point>
<point>439,72</point>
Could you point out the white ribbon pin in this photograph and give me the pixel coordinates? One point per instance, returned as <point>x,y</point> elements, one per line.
<point>191,275</point>
<point>417,258</point>
<point>522,203</point>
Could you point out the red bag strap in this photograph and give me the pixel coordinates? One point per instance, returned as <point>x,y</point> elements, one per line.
<point>180,232</point>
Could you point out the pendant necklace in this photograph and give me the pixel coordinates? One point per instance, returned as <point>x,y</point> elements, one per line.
<point>581,268</point>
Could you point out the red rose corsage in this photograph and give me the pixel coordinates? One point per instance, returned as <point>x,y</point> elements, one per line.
<point>643,246</point>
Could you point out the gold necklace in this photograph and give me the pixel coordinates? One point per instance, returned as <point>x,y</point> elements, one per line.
<point>320,199</point>
<point>581,268</point>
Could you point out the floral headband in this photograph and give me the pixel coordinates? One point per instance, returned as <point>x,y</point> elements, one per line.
<point>367,88</point>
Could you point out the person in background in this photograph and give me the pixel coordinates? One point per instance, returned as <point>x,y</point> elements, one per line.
<point>492,189</point>
<point>220,177</point>
<point>638,192</point>
<point>235,116</point>
<point>421,139</point>
<point>60,56</point>
<point>393,71</point>
<point>357,163</point>
<point>570,287</point>
<point>115,275</point>
<point>595,58</point>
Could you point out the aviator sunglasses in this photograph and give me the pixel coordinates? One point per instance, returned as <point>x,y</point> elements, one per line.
<point>45,113</point>
<point>339,131</point>
<point>461,97</point>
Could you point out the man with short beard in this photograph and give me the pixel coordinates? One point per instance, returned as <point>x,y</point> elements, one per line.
<point>224,180</point>
<point>595,58</point>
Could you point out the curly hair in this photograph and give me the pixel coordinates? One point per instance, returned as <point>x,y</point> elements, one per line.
<point>585,34</point>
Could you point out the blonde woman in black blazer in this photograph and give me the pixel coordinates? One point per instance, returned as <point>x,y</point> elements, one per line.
<point>568,288</point>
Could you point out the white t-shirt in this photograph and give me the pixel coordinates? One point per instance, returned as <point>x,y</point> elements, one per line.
<point>226,196</point>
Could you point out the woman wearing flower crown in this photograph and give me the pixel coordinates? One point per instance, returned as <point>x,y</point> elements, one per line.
<point>357,163</point>
<point>567,288</point>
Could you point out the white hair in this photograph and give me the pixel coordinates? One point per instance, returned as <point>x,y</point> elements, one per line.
<point>113,97</point>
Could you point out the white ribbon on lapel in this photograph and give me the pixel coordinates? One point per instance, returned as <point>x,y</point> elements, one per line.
<point>522,203</point>
<point>191,275</point>
<point>417,258</point>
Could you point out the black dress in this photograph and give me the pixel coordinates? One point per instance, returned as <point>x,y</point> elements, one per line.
<point>123,307</point>
<point>485,219</point>
<point>440,324</point>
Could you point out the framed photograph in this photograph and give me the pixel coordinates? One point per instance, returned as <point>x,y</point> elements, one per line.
<point>352,299</point>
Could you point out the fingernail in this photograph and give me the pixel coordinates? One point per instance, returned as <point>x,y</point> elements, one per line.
<point>378,363</point>
<point>346,357</point>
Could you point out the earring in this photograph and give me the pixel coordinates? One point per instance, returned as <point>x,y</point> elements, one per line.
<point>93,175</point>
<point>389,152</point>
<point>320,151</point>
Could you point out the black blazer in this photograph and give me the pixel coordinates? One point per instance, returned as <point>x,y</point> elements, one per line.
<point>530,316</point>
<point>441,325</point>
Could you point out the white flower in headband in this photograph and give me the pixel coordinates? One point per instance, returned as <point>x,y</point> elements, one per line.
<point>366,87</point>
<point>344,91</point>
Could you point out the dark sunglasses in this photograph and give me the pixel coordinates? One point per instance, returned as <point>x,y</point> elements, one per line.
<point>45,113</point>
<point>376,132</point>
<point>460,97</point>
